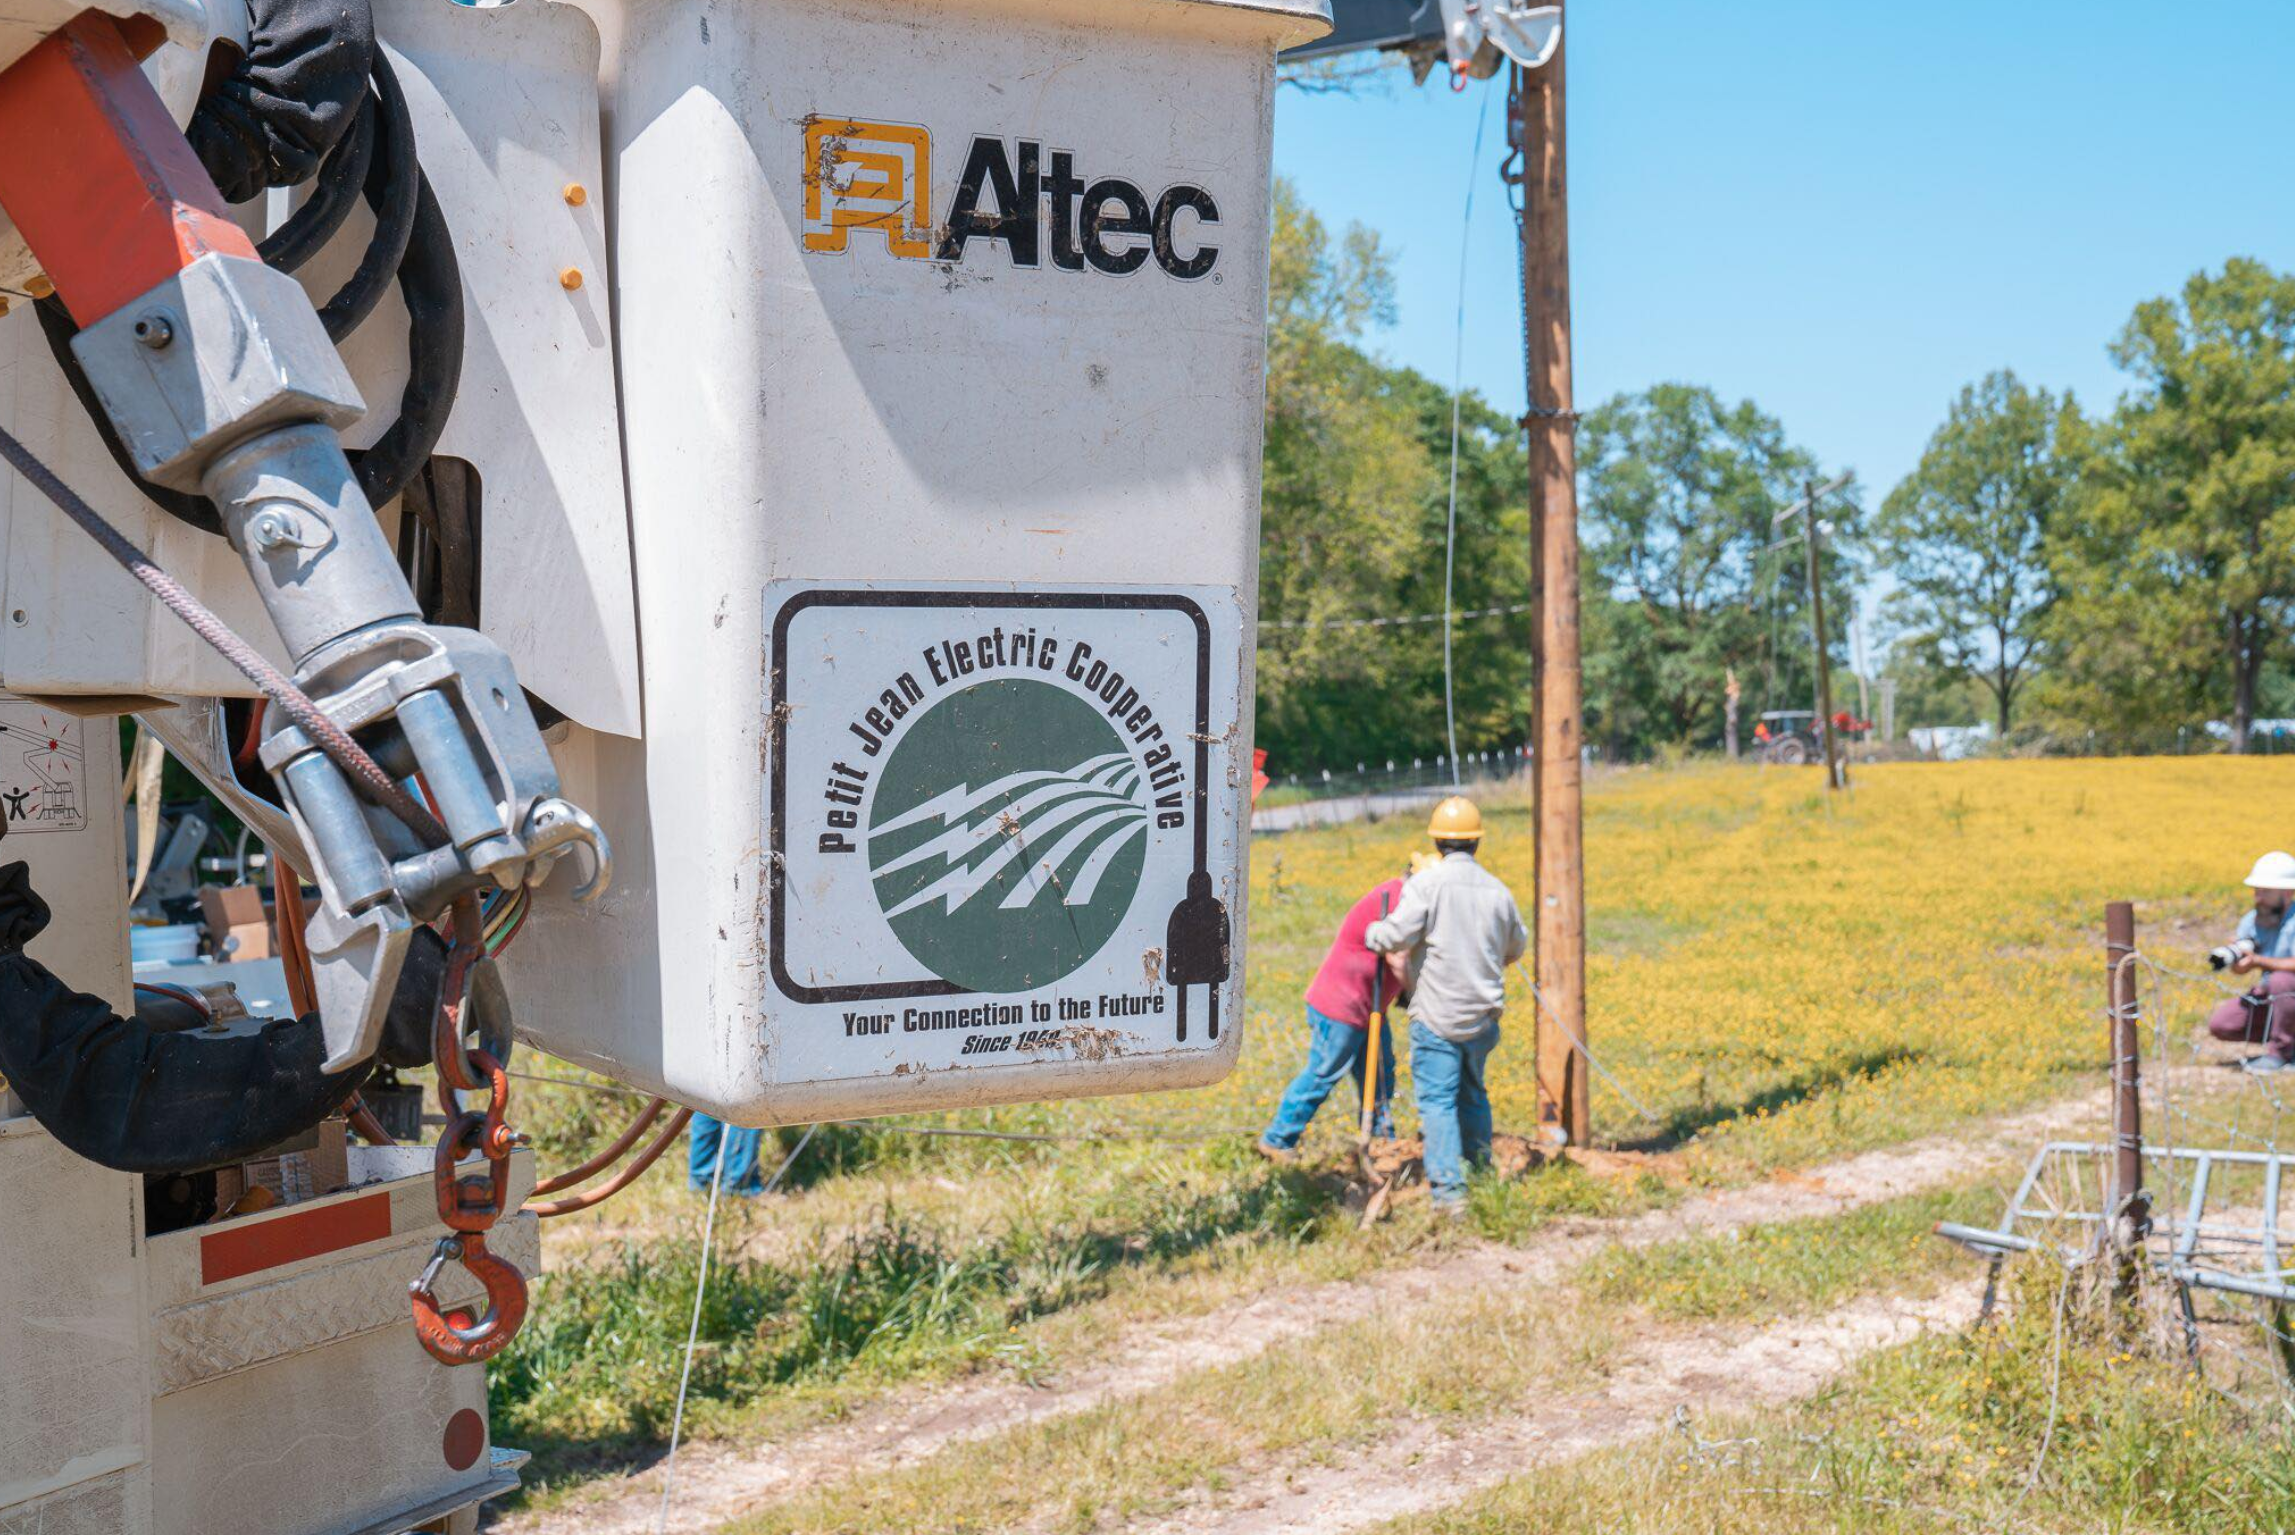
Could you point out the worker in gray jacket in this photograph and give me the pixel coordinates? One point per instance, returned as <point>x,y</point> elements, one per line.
<point>1467,929</point>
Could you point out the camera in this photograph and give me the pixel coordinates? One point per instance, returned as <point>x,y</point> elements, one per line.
<point>2230,954</point>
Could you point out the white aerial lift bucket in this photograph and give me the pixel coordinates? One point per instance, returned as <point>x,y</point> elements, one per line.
<point>941,328</point>
<point>930,335</point>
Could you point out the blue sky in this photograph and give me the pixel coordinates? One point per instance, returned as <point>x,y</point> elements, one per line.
<point>1843,211</point>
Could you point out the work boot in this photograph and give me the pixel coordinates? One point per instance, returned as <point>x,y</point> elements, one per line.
<point>1281,1156</point>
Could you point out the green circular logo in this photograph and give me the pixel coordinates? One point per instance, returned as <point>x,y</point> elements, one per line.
<point>1007,836</point>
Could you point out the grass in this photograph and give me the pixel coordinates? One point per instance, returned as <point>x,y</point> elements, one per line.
<point>1330,1393</point>
<point>1943,1434</point>
<point>1510,1209</point>
<point>898,1297</point>
<point>1792,1266</point>
<point>1784,977</point>
<point>1457,1358</point>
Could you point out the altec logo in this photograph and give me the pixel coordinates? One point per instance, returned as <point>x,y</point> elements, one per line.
<point>877,178</point>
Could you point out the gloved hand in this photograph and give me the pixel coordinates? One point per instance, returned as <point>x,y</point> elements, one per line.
<point>23,915</point>
<point>141,1099</point>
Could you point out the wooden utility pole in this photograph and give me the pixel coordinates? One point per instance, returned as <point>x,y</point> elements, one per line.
<point>1817,626</point>
<point>1556,764</point>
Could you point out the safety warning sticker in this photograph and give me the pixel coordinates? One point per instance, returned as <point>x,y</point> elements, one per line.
<point>43,768</point>
<point>1003,826</point>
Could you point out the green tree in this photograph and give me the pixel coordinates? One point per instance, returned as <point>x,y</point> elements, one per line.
<point>1344,475</point>
<point>1965,535</point>
<point>1354,504</point>
<point>2178,571</point>
<point>1685,576</point>
<point>1928,694</point>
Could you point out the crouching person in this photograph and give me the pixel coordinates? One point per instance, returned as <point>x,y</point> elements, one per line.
<point>1468,929</point>
<point>1352,983</point>
<point>2264,947</point>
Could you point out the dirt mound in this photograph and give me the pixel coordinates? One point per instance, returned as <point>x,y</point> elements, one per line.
<point>1399,1167</point>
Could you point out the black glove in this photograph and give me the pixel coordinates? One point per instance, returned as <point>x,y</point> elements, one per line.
<point>141,1099</point>
<point>23,915</point>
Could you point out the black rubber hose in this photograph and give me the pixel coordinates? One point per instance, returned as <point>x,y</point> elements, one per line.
<point>282,111</point>
<point>139,1097</point>
<point>332,197</point>
<point>430,281</point>
<point>411,240</point>
<point>392,187</point>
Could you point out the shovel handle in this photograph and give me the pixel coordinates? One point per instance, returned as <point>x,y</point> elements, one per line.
<point>1371,1041</point>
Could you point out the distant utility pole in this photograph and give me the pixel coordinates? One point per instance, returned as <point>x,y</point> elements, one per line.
<point>1817,624</point>
<point>1536,128</point>
<point>1814,493</point>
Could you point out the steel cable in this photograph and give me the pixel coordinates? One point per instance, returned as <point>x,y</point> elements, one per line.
<point>693,1330</point>
<point>329,737</point>
<point>1457,388</point>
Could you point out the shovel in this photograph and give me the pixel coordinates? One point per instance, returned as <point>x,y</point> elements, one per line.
<point>1376,1029</point>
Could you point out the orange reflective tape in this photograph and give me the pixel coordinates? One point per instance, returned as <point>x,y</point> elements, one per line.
<point>235,1251</point>
<point>100,181</point>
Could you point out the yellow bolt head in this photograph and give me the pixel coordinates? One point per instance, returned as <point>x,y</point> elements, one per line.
<point>576,194</point>
<point>570,279</point>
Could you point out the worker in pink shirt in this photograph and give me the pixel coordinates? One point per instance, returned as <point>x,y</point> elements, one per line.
<point>1339,1006</point>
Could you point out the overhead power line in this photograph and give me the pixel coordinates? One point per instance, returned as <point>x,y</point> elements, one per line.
<point>1386,623</point>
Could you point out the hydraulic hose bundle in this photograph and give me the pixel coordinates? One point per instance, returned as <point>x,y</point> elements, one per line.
<point>316,97</point>
<point>314,100</point>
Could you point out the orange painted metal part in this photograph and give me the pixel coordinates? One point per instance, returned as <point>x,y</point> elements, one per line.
<point>100,181</point>
<point>235,1251</point>
<point>456,1337</point>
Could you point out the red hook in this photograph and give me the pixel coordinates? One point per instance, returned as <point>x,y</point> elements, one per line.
<point>453,1338</point>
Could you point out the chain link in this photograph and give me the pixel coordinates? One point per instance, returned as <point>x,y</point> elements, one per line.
<point>469,1206</point>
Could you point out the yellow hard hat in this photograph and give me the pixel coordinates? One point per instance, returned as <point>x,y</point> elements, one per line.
<point>1456,820</point>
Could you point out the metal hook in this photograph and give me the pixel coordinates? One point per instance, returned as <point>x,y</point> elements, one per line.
<point>554,824</point>
<point>452,1338</point>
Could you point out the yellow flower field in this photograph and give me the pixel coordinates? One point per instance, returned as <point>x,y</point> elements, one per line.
<point>1781,975</point>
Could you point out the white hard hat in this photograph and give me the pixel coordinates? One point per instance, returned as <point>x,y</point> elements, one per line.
<point>2273,871</point>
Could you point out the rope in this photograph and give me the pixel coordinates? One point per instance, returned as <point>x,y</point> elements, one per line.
<point>693,1330</point>
<point>1457,390</point>
<point>201,620</point>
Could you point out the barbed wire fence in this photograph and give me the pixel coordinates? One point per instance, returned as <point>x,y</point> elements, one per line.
<point>2222,1138</point>
<point>2197,1253</point>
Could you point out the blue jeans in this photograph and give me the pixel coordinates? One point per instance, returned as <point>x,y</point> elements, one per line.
<point>1334,1052</point>
<point>712,1139</point>
<point>1453,1106</point>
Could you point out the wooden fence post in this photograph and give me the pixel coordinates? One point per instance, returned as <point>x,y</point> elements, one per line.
<point>2130,1210</point>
